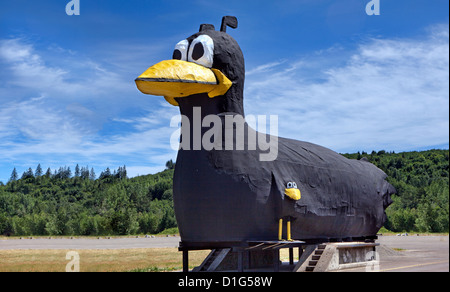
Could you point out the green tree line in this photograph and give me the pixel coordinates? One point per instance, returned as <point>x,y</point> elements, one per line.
<point>66,203</point>
<point>422,182</point>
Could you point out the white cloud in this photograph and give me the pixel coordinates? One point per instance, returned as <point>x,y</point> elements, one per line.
<point>59,108</point>
<point>73,77</point>
<point>27,68</point>
<point>264,68</point>
<point>33,121</point>
<point>389,94</point>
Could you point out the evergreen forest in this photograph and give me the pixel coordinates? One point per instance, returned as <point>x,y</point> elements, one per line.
<point>422,183</point>
<point>62,202</point>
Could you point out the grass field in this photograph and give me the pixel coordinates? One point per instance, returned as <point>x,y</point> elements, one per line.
<point>103,260</point>
<point>107,260</point>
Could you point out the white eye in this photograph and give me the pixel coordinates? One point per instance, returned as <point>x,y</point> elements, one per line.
<point>180,51</point>
<point>201,51</point>
<point>289,185</point>
<point>294,185</point>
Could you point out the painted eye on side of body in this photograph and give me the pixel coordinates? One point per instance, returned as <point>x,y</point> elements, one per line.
<point>201,51</point>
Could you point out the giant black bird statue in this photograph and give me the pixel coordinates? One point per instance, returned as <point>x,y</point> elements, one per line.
<point>230,194</point>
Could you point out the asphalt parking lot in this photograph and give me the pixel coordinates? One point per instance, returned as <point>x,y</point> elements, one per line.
<point>412,254</point>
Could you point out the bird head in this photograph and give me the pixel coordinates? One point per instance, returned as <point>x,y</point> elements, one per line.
<point>209,63</point>
<point>292,191</point>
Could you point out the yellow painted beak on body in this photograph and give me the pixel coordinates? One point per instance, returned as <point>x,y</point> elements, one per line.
<point>293,193</point>
<point>176,78</point>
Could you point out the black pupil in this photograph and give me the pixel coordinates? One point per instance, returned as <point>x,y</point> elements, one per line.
<point>198,51</point>
<point>176,55</point>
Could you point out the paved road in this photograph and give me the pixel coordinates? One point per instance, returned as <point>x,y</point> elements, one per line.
<point>88,243</point>
<point>397,253</point>
<point>412,254</point>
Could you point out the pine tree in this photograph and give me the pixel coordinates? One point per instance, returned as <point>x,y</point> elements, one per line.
<point>77,171</point>
<point>28,174</point>
<point>14,175</point>
<point>63,173</point>
<point>124,172</point>
<point>170,164</point>
<point>85,172</point>
<point>105,174</point>
<point>67,172</point>
<point>121,173</point>
<point>92,175</point>
<point>38,171</point>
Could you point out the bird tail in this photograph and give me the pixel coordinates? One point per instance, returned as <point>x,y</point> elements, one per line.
<point>387,191</point>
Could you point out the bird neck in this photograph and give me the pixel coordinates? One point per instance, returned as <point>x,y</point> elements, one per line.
<point>195,122</point>
<point>205,105</point>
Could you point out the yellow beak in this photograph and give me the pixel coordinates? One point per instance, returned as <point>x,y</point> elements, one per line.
<point>293,193</point>
<point>175,78</point>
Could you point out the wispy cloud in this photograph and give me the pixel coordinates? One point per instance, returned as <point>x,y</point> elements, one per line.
<point>264,68</point>
<point>64,110</point>
<point>69,77</point>
<point>388,94</point>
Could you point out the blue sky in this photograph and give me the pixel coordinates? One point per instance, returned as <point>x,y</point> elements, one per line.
<point>334,75</point>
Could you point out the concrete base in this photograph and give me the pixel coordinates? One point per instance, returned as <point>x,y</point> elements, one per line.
<point>338,256</point>
<point>244,256</point>
<point>351,255</point>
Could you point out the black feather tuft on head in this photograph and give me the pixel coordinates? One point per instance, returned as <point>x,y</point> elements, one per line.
<point>230,21</point>
<point>205,27</point>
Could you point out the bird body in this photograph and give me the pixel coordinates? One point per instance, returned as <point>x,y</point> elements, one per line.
<point>231,194</point>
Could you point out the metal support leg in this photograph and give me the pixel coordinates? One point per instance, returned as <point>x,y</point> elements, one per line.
<point>240,260</point>
<point>291,256</point>
<point>276,260</point>
<point>185,261</point>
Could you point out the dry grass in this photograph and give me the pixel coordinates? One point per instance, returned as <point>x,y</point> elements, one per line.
<point>111,260</point>
<point>104,260</point>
